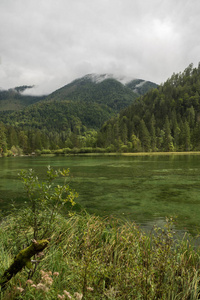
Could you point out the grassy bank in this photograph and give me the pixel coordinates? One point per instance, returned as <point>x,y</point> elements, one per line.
<point>89,257</point>
<point>97,258</point>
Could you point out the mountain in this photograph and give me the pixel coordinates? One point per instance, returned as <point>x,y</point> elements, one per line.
<point>116,92</point>
<point>68,117</point>
<point>88,101</point>
<point>13,100</point>
<point>109,92</point>
<point>164,119</point>
<point>140,86</point>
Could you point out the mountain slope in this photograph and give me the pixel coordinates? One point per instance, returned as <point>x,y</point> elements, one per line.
<point>86,102</point>
<point>117,93</point>
<point>81,103</point>
<point>13,100</point>
<point>69,117</point>
<point>109,92</point>
<point>140,86</point>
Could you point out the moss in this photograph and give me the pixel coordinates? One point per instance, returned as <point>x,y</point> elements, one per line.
<point>22,259</point>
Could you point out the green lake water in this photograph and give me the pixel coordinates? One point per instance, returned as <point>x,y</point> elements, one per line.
<point>145,189</point>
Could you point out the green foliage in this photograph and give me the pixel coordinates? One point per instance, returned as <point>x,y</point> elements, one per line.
<point>107,259</point>
<point>66,118</point>
<point>3,142</point>
<point>90,257</point>
<point>16,150</point>
<point>164,119</point>
<point>45,200</point>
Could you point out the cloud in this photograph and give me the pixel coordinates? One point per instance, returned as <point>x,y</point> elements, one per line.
<point>49,43</point>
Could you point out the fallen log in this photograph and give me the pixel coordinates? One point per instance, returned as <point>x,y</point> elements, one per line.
<point>22,259</point>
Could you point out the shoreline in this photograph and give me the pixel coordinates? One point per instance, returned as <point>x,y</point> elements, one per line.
<point>161,153</point>
<point>111,154</point>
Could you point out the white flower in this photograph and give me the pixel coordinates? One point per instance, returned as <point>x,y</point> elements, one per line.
<point>78,296</point>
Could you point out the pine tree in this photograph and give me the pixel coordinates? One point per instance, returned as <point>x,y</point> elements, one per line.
<point>153,134</point>
<point>144,137</point>
<point>187,136</point>
<point>168,144</point>
<point>3,142</point>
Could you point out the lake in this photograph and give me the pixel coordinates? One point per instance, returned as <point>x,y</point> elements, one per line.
<point>145,189</point>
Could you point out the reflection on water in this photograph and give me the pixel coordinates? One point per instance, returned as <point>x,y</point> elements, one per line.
<point>141,188</point>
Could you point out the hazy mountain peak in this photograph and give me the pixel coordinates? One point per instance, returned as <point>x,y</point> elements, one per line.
<point>97,78</point>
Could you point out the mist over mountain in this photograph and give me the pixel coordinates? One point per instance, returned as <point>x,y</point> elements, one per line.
<point>13,99</point>
<point>101,112</point>
<point>68,117</point>
<point>91,87</point>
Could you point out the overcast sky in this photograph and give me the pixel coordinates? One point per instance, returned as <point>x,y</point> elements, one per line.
<point>49,43</point>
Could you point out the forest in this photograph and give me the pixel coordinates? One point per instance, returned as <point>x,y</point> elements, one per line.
<point>166,118</point>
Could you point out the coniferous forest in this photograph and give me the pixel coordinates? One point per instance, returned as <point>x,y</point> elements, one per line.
<point>165,119</point>
<point>107,117</point>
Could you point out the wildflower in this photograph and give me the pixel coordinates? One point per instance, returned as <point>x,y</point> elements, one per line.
<point>67,294</point>
<point>34,285</point>
<point>20,289</point>
<point>90,289</point>
<point>56,274</point>
<point>42,272</point>
<point>61,297</point>
<point>78,296</point>
<point>41,286</point>
<point>47,280</point>
<point>29,281</point>
<point>50,273</point>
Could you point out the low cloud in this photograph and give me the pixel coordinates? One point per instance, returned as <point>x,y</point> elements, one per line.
<point>50,43</point>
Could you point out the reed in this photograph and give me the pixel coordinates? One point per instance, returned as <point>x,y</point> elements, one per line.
<point>89,257</point>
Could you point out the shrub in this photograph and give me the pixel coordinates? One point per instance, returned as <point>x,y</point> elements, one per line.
<point>46,151</point>
<point>45,200</point>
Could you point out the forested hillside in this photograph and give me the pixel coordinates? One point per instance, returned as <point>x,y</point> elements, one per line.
<point>164,119</point>
<point>109,92</point>
<point>69,117</point>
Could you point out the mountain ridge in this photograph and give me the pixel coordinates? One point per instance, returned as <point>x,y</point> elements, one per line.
<point>16,98</point>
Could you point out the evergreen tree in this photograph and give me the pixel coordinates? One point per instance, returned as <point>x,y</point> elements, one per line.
<point>168,144</point>
<point>186,136</point>
<point>144,137</point>
<point>12,138</point>
<point>124,130</point>
<point>23,141</point>
<point>153,134</point>
<point>3,142</point>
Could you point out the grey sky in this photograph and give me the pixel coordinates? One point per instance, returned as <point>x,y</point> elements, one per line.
<point>48,43</point>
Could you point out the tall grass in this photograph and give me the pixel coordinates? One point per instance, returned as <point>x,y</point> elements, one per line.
<point>89,257</point>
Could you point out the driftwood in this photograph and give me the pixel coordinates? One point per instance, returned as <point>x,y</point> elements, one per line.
<point>22,259</point>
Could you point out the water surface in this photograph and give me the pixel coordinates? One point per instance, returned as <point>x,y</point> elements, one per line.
<point>140,188</point>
